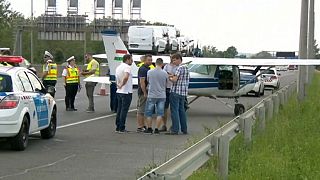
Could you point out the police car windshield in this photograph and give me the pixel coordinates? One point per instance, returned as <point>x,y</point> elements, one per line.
<point>5,83</point>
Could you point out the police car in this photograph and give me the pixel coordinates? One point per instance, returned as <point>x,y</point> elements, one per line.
<point>25,105</point>
<point>271,78</point>
<point>248,74</point>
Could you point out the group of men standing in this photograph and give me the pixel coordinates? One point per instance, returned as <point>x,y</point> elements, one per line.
<point>159,88</point>
<point>71,74</point>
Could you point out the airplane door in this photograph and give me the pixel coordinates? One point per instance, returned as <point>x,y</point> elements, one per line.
<point>236,77</point>
<point>225,76</point>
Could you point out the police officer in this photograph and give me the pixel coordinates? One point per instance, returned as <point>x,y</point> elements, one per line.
<point>92,70</point>
<point>71,83</point>
<point>50,73</point>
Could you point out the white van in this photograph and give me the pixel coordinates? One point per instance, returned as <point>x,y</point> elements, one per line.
<point>173,39</point>
<point>147,39</point>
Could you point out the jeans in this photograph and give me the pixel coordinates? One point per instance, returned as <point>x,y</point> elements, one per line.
<point>90,89</point>
<point>178,113</point>
<point>124,101</point>
<point>155,105</point>
<point>113,97</point>
<point>166,105</point>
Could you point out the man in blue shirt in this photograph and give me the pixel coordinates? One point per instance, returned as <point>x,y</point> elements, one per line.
<point>142,92</point>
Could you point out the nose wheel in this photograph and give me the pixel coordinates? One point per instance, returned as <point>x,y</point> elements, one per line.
<point>239,109</point>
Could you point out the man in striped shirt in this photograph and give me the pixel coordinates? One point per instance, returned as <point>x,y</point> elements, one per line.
<point>178,94</point>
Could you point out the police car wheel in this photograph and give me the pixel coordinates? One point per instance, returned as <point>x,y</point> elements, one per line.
<point>20,141</point>
<point>50,131</point>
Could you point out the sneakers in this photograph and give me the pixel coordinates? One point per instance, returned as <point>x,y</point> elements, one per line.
<point>140,130</point>
<point>163,129</point>
<point>156,131</point>
<point>123,131</point>
<point>148,131</point>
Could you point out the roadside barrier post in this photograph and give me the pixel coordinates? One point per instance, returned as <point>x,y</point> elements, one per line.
<point>248,130</point>
<point>281,94</point>
<point>275,99</point>
<point>293,89</point>
<point>269,109</point>
<point>241,123</point>
<point>262,118</point>
<point>223,157</point>
<point>286,95</point>
<point>256,112</point>
<point>215,145</point>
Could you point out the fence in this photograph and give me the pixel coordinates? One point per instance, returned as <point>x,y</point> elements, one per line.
<point>217,143</point>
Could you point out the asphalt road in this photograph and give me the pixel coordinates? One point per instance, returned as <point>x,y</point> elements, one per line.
<point>86,146</point>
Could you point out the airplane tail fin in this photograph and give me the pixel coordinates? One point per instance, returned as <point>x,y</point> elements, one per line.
<point>115,49</point>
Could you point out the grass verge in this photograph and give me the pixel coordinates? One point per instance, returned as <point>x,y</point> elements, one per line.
<point>288,149</point>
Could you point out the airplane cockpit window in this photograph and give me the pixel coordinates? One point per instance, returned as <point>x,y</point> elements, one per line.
<point>199,68</point>
<point>225,75</point>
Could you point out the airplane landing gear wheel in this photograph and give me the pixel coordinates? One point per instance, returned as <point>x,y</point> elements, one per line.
<point>238,109</point>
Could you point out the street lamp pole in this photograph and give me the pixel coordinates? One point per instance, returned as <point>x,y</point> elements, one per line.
<point>31,35</point>
<point>311,53</point>
<point>303,51</point>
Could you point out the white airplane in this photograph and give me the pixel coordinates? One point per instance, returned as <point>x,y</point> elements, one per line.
<point>209,77</point>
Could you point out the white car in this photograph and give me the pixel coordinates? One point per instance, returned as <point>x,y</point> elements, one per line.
<point>282,68</point>
<point>25,107</point>
<point>271,78</point>
<point>247,73</point>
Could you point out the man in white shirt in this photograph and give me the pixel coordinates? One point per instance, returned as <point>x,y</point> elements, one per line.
<point>124,92</point>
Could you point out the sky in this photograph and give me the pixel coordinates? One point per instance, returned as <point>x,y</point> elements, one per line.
<point>249,25</point>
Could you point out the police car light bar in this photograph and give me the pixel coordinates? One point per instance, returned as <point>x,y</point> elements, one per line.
<point>11,59</point>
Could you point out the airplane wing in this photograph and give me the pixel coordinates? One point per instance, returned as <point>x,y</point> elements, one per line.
<point>250,62</point>
<point>100,56</point>
<point>106,80</point>
<point>100,79</point>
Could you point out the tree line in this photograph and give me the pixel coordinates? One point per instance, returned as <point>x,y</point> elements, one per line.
<point>61,50</point>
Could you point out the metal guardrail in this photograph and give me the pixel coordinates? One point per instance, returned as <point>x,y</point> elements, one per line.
<point>217,143</point>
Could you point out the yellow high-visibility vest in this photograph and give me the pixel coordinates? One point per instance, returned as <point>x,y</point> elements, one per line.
<point>142,63</point>
<point>72,75</point>
<point>89,67</point>
<point>52,73</point>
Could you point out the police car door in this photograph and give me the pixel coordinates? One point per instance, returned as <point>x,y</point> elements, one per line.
<point>37,105</point>
<point>25,86</point>
<point>41,101</point>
